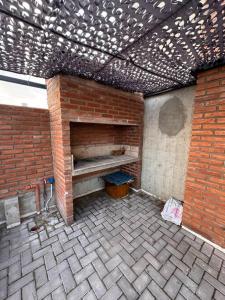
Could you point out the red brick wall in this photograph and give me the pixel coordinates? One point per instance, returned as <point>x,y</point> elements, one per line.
<point>72,99</point>
<point>86,100</point>
<point>25,148</point>
<point>90,134</point>
<point>130,135</point>
<point>204,209</point>
<point>95,134</point>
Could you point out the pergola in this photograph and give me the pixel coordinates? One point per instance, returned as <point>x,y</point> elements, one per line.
<point>146,46</point>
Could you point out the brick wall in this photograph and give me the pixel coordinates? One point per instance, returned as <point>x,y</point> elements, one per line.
<point>25,148</point>
<point>85,100</point>
<point>132,135</point>
<point>90,134</point>
<point>72,99</point>
<point>83,134</point>
<point>204,209</point>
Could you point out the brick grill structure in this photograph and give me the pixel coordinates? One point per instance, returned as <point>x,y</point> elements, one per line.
<point>204,209</point>
<point>25,149</point>
<point>72,99</point>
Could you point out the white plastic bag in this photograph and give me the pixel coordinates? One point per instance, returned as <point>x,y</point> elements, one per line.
<point>172,211</point>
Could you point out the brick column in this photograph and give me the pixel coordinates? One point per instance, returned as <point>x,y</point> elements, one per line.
<point>204,208</point>
<point>60,136</point>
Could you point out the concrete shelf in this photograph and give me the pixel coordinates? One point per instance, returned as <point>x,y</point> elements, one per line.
<point>93,164</point>
<point>103,121</point>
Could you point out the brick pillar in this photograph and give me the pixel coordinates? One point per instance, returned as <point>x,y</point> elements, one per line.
<point>204,208</point>
<point>60,137</point>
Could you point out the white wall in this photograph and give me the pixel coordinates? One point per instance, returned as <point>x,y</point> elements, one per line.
<point>22,95</point>
<point>165,150</point>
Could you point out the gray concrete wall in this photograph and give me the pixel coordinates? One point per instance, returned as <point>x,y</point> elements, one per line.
<point>87,186</point>
<point>27,204</point>
<point>167,131</point>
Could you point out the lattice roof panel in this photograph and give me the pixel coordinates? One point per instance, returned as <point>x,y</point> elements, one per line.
<point>137,45</point>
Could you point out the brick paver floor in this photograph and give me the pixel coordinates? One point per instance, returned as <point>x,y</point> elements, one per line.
<point>114,250</point>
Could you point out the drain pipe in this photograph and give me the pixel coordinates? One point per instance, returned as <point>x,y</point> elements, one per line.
<point>50,180</point>
<point>37,195</point>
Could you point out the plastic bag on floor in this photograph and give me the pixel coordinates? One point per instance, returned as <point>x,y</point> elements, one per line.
<point>172,211</point>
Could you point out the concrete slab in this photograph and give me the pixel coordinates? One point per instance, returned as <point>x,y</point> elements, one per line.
<point>90,165</point>
<point>12,212</point>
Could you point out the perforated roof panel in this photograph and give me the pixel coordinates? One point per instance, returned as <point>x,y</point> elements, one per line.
<point>145,46</point>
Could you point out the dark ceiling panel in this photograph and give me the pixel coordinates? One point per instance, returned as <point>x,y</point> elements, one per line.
<point>145,46</point>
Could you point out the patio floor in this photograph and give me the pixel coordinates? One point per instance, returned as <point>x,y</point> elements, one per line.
<point>114,250</point>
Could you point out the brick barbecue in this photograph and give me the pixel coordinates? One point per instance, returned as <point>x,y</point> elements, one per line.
<point>72,101</point>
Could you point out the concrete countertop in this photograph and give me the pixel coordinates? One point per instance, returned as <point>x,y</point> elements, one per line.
<point>89,165</point>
